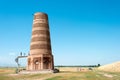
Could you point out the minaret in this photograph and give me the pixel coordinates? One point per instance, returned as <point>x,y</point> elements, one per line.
<point>40,57</point>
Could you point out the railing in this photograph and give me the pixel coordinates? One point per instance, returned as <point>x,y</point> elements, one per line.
<point>17,61</point>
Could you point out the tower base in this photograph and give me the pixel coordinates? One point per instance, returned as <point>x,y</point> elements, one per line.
<point>36,72</point>
<point>40,62</point>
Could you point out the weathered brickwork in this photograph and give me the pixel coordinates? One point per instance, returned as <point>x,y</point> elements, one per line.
<point>40,57</point>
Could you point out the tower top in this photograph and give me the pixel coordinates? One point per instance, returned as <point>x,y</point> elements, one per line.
<point>40,13</point>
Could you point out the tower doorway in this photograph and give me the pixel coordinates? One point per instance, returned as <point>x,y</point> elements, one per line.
<point>36,65</point>
<point>46,62</point>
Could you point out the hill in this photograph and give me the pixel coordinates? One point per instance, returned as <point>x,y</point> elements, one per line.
<point>114,67</point>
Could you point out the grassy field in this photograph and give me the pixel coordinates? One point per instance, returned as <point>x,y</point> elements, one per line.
<point>9,74</point>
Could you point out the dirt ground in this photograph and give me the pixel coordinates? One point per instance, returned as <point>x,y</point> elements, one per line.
<point>9,74</point>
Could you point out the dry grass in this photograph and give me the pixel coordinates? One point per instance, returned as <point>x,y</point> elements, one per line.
<point>9,74</point>
<point>73,69</point>
<point>114,67</point>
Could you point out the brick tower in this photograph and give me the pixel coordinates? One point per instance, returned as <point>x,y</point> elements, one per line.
<point>40,57</point>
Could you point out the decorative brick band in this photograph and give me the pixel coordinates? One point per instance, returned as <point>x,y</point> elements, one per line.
<point>41,32</point>
<point>44,16</point>
<point>40,42</point>
<point>40,25</point>
<point>40,35</point>
<point>40,28</point>
<point>40,51</point>
<point>40,39</point>
<point>40,21</point>
<point>36,54</point>
<point>40,46</point>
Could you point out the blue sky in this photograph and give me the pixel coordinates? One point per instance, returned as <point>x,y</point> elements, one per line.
<point>83,32</point>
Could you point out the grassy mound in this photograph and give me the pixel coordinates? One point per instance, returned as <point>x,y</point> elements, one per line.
<point>114,67</point>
